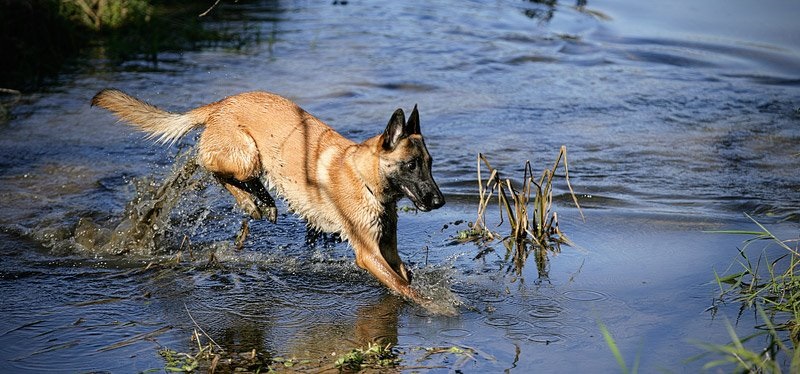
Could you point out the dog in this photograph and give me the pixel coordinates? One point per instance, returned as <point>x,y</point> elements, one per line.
<point>335,184</point>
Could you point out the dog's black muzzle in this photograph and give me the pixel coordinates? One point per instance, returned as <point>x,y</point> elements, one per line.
<point>434,200</point>
<point>427,200</point>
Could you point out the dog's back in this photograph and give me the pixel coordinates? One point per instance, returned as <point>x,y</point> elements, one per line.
<point>259,133</point>
<point>298,153</point>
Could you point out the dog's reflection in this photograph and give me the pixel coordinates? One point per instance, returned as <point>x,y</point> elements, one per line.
<point>375,323</point>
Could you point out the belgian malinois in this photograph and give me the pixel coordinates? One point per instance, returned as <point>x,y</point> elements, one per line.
<point>335,184</point>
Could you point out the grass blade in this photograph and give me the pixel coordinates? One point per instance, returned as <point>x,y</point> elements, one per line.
<point>613,346</point>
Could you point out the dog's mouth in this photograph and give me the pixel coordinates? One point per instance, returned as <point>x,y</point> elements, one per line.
<point>421,206</point>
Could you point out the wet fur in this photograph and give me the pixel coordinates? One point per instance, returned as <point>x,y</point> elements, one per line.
<point>337,185</point>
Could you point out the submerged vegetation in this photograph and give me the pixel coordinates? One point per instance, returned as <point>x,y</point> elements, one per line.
<point>206,356</point>
<point>209,357</point>
<point>769,284</point>
<point>528,209</point>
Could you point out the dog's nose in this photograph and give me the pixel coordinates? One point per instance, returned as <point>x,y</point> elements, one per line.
<point>437,201</point>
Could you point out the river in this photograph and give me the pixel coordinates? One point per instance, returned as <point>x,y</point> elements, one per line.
<point>677,117</point>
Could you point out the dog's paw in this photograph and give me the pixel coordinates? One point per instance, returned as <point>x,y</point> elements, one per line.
<point>270,213</point>
<point>251,209</point>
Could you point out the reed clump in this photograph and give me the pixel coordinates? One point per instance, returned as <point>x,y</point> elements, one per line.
<point>527,208</point>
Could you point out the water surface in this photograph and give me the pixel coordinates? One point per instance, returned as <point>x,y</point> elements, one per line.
<point>677,119</point>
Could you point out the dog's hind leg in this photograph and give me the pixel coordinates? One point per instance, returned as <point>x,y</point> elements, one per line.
<point>231,155</point>
<point>243,198</point>
<point>264,203</point>
<point>252,197</point>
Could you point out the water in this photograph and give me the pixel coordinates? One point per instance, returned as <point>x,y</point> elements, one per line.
<point>677,118</point>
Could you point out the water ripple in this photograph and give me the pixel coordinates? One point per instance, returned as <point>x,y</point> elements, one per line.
<point>545,338</point>
<point>544,310</point>
<point>501,321</point>
<point>584,295</point>
<point>455,333</point>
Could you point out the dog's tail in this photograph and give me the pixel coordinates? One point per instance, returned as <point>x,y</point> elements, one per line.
<point>163,126</point>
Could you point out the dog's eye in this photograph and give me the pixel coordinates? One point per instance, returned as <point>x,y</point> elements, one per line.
<point>410,166</point>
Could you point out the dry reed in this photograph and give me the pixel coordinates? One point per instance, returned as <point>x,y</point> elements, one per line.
<point>528,209</point>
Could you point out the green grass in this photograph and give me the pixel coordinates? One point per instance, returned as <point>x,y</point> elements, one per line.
<point>373,356</point>
<point>42,37</point>
<point>771,286</point>
<point>104,14</point>
<point>612,345</point>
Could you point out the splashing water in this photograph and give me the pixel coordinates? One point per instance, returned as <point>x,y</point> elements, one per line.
<point>151,218</point>
<point>146,219</point>
<point>434,283</point>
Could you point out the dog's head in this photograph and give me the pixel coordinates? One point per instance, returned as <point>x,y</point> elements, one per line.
<point>406,163</point>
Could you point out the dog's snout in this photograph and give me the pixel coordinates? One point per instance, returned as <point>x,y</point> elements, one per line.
<point>436,200</point>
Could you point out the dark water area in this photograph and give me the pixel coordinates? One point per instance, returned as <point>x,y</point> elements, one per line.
<point>678,118</point>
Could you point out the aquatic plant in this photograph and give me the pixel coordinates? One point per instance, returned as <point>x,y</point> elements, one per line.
<point>528,209</point>
<point>178,362</point>
<point>747,360</point>
<point>459,354</point>
<point>771,287</point>
<point>373,356</point>
<point>210,357</point>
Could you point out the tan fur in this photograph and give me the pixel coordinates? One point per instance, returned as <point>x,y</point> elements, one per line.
<point>335,184</point>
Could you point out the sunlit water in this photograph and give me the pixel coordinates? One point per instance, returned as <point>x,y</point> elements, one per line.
<point>677,119</point>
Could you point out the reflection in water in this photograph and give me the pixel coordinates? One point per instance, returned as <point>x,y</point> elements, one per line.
<point>374,323</point>
<point>517,255</point>
<point>546,9</point>
<point>377,323</point>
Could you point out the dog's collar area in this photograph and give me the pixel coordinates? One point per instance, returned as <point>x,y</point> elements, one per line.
<point>367,187</point>
<point>364,182</point>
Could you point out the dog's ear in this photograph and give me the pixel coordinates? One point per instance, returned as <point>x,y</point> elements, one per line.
<point>395,130</point>
<point>412,127</point>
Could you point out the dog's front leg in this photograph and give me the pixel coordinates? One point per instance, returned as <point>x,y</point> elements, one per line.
<point>369,257</point>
